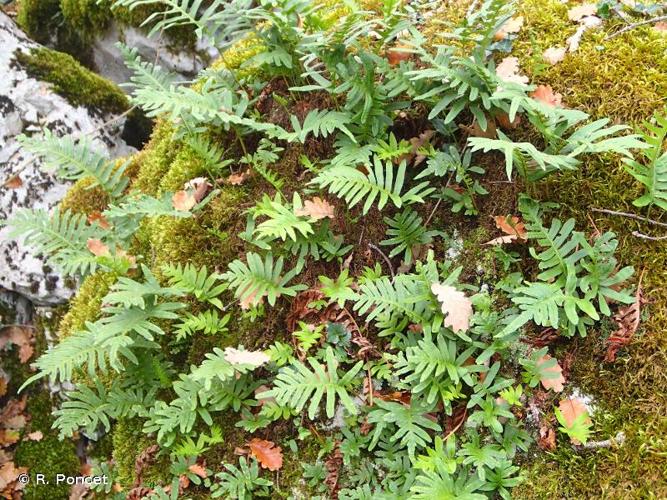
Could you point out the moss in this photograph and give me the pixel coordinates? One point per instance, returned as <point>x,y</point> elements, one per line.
<point>49,456</point>
<point>85,306</point>
<point>38,18</point>
<point>128,442</point>
<point>624,78</point>
<point>88,17</point>
<point>75,83</point>
<point>155,160</point>
<point>84,198</point>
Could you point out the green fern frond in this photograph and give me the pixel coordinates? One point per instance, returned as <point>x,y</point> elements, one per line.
<point>207,322</point>
<point>197,282</point>
<point>406,231</point>
<point>282,219</point>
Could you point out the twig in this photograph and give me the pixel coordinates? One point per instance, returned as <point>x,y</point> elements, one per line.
<point>631,216</point>
<point>647,237</point>
<point>458,426</point>
<point>619,439</point>
<point>433,212</point>
<point>111,120</point>
<point>635,25</point>
<point>386,259</point>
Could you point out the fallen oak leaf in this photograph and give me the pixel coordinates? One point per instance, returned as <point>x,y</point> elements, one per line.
<point>512,25</point>
<point>398,53</point>
<point>198,470</point>
<point>546,95</point>
<point>35,436</point>
<point>580,11</point>
<point>199,187</point>
<point>501,240</point>
<point>20,336</point>
<point>241,357</point>
<point>455,305</point>
<point>267,453</point>
<point>13,182</point>
<point>316,209</point>
<point>586,23</point>
<point>554,55</point>
<point>572,409</point>
<point>508,71</point>
<point>237,179</point>
<point>96,247</point>
<point>511,225</point>
<point>183,200</point>
<point>553,376</point>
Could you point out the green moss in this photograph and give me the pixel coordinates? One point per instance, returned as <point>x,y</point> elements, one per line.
<point>75,83</point>
<point>128,442</point>
<point>155,160</point>
<point>624,78</point>
<point>38,18</point>
<point>85,306</point>
<point>85,198</point>
<point>88,17</point>
<point>49,456</point>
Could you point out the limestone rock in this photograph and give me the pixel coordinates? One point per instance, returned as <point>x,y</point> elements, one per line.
<point>27,106</point>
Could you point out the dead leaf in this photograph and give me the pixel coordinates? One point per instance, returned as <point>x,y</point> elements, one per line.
<point>316,209</point>
<point>198,470</point>
<point>580,11</point>
<point>8,475</point>
<point>661,26</point>
<point>397,54</point>
<point>239,357</point>
<point>15,422</point>
<point>501,240</point>
<point>511,225</point>
<point>8,437</point>
<point>571,409</point>
<point>554,55</point>
<point>546,95</point>
<point>199,187</point>
<point>417,143</point>
<point>585,24</point>
<point>489,133</point>
<point>238,179</point>
<point>627,318</point>
<point>547,437</point>
<point>333,465</point>
<point>3,386</point>
<point>97,248</point>
<point>512,25</point>
<point>183,200</point>
<point>267,453</point>
<point>21,336</point>
<point>456,306</point>
<point>556,382</point>
<point>503,120</point>
<point>97,217</point>
<point>13,182</point>
<point>79,491</point>
<point>35,436</point>
<point>508,71</point>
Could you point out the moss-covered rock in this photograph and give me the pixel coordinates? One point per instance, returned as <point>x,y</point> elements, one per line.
<point>85,306</point>
<point>70,79</point>
<point>88,17</point>
<point>38,18</point>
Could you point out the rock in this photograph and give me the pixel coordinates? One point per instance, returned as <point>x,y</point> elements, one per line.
<point>26,106</point>
<point>109,61</point>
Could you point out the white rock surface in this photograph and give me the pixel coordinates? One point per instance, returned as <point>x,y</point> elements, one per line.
<point>109,62</point>
<point>27,106</point>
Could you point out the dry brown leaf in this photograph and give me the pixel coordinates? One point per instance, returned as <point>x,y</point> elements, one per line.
<point>397,54</point>
<point>546,95</point>
<point>8,475</point>
<point>14,182</point>
<point>3,386</point>
<point>455,305</point>
<point>580,11</point>
<point>199,187</point>
<point>238,179</point>
<point>585,24</point>
<point>555,383</point>
<point>183,200</point>
<point>97,217</point>
<point>8,437</point>
<point>547,437</point>
<point>489,133</point>
<point>554,55</point>
<point>96,247</point>
<point>333,465</point>
<point>661,26</point>
<point>21,336</point>
<point>508,71</point>
<point>267,453</point>
<point>504,121</point>
<point>15,422</point>
<point>79,491</point>
<point>34,436</point>
<point>511,225</point>
<point>501,240</point>
<point>316,209</point>
<point>417,143</point>
<point>627,319</point>
<point>198,470</point>
<point>239,357</point>
<point>512,25</point>
<point>571,409</point>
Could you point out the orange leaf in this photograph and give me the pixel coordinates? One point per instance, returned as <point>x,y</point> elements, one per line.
<point>571,408</point>
<point>316,209</point>
<point>267,453</point>
<point>14,182</point>
<point>511,225</point>
<point>183,200</point>
<point>397,54</point>
<point>198,470</point>
<point>237,179</point>
<point>199,187</point>
<point>456,306</point>
<point>545,94</point>
<point>97,248</point>
<point>3,386</point>
<point>100,219</point>
<point>555,383</point>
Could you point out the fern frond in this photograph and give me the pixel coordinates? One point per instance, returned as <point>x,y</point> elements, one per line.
<point>207,322</point>
<point>321,123</point>
<point>197,282</point>
<point>77,159</point>
<point>256,279</point>
<point>378,184</point>
<point>282,219</point>
<point>406,231</point>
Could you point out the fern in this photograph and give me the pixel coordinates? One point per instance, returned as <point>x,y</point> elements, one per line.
<point>256,279</point>
<point>77,159</point>
<point>62,237</point>
<point>197,282</point>
<point>207,322</point>
<point>282,220</point>
<point>652,174</point>
<point>297,385</point>
<point>241,482</point>
<point>378,184</point>
<point>321,123</point>
<point>406,232</point>
<point>130,293</point>
<point>84,408</point>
